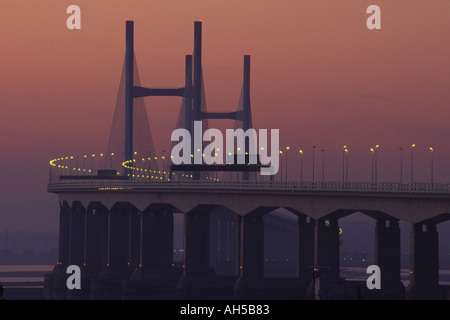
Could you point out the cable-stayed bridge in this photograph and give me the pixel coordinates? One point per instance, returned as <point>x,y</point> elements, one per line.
<point>117,215</point>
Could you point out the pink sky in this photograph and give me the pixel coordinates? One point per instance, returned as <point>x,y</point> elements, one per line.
<point>318,74</point>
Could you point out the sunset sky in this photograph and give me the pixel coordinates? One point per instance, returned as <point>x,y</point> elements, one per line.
<point>317,74</point>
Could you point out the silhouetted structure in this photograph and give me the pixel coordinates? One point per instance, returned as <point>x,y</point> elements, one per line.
<point>121,230</point>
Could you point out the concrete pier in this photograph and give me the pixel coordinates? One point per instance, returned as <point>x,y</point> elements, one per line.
<point>424,242</point>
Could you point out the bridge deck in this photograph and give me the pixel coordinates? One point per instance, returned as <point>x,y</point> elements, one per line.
<point>429,189</point>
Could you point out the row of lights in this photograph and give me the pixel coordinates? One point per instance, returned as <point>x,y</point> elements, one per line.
<point>345,152</point>
<point>139,172</point>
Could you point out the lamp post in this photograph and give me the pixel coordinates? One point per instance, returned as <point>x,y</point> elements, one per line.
<point>323,165</point>
<point>432,151</point>
<point>412,162</point>
<point>84,164</point>
<point>112,154</point>
<point>281,167</point>
<point>376,163</point>
<point>301,164</point>
<point>373,156</point>
<point>314,147</point>
<point>401,164</point>
<point>164,165</point>
<point>346,169</point>
<point>92,165</point>
<point>343,162</point>
<point>286,174</point>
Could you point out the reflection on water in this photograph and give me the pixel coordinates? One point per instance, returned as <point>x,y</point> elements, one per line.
<point>13,268</point>
<point>24,275</point>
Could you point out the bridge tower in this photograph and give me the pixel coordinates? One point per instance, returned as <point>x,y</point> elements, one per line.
<point>192,92</point>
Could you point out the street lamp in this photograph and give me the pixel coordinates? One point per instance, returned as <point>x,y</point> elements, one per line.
<point>112,154</point>
<point>301,164</point>
<point>346,169</point>
<point>84,164</point>
<point>343,162</point>
<point>412,162</point>
<point>376,163</point>
<point>286,174</point>
<point>314,147</point>
<point>281,166</point>
<point>164,164</point>
<point>432,151</point>
<point>92,166</point>
<point>401,164</point>
<point>373,153</point>
<point>323,165</point>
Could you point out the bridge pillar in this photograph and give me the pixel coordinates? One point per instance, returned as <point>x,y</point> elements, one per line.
<point>64,234</point>
<point>328,247</point>
<point>157,241</point>
<point>77,234</point>
<point>154,276</point>
<point>305,249</point>
<point>424,269</point>
<point>96,249</point>
<point>55,282</point>
<point>251,283</point>
<point>252,247</point>
<point>387,257</point>
<point>328,284</point>
<point>199,280</point>
<point>123,240</point>
<point>123,235</point>
<point>78,215</point>
<point>196,251</point>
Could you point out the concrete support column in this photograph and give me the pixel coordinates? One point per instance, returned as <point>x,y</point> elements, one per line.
<point>424,271</point>
<point>77,234</point>
<point>387,252</point>
<point>123,235</point>
<point>157,241</point>
<point>327,247</point>
<point>305,249</point>
<point>64,234</point>
<point>196,242</point>
<point>96,248</point>
<point>252,247</point>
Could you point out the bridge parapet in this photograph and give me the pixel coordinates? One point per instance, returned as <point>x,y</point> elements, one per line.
<point>431,189</point>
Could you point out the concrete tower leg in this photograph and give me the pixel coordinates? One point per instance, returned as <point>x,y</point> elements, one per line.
<point>197,246</point>
<point>424,272</point>
<point>252,284</point>
<point>157,242</point>
<point>118,242</point>
<point>197,88</point>
<point>55,282</point>
<point>196,281</point>
<point>155,276</point>
<point>387,257</point>
<point>96,249</point>
<point>64,234</point>
<point>123,233</point>
<point>77,248</point>
<point>328,247</point>
<point>328,284</point>
<point>250,256</point>
<point>199,280</point>
<point>77,234</point>
<point>305,250</point>
<point>246,107</point>
<point>252,247</point>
